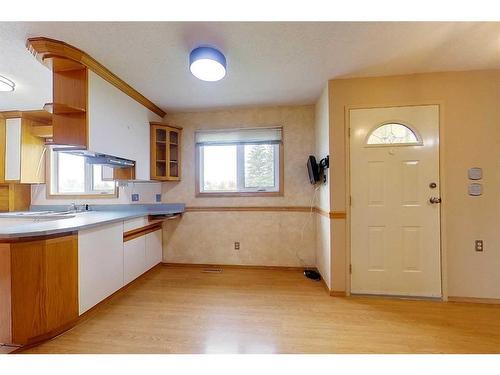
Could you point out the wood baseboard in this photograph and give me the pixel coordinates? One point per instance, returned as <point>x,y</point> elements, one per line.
<point>489,301</point>
<point>332,293</point>
<point>235,266</point>
<point>323,282</point>
<point>82,318</point>
<point>335,293</point>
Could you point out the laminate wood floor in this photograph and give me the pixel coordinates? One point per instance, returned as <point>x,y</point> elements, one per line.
<point>184,310</point>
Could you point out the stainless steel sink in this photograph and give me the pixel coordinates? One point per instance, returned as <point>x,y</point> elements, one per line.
<point>42,215</point>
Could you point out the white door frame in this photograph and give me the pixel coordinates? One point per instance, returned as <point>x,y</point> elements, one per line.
<point>442,206</point>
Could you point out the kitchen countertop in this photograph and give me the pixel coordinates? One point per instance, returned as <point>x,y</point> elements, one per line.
<point>97,215</point>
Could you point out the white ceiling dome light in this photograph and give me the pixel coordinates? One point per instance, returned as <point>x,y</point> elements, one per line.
<point>6,84</point>
<point>207,64</point>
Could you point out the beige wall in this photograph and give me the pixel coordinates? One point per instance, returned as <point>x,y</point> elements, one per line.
<point>267,238</point>
<point>470,136</point>
<point>322,148</point>
<point>147,194</point>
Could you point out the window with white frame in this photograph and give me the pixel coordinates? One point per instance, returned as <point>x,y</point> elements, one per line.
<point>239,161</point>
<point>71,174</point>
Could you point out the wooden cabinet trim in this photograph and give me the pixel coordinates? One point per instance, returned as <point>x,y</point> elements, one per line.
<point>5,295</point>
<point>139,232</point>
<point>46,49</point>
<point>164,147</point>
<point>43,278</point>
<point>37,238</point>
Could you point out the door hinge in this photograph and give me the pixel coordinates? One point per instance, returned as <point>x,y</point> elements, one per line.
<point>350,200</point>
<point>350,269</point>
<point>349,132</point>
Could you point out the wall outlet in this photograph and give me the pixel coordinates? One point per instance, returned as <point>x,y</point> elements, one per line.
<point>158,198</point>
<point>236,246</point>
<point>135,197</point>
<point>479,245</point>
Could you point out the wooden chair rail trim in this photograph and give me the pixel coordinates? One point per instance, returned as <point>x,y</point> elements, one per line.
<point>43,48</point>
<point>248,208</point>
<point>139,232</point>
<point>331,215</point>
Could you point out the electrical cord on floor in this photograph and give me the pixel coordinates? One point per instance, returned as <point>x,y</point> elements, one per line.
<point>308,219</point>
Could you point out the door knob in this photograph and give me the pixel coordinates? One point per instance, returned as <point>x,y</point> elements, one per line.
<point>435,200</point>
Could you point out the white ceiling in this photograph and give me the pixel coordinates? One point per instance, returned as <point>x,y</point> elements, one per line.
<point>268,63</point>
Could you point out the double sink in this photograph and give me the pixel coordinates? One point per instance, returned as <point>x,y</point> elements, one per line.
<point>30,216</point>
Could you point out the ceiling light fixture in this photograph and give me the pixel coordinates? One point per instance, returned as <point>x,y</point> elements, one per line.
<point>6,84</point>
<point>207,64</point>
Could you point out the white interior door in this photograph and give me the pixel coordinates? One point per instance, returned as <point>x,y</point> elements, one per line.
<point>395,228</point>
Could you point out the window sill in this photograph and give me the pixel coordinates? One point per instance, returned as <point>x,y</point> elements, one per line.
<point>79,196</point>
<point>240,194</point>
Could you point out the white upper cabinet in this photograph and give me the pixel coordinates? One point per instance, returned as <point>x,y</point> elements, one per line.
<point>24,153</point>
<point>13,149</point>
<point>118,125</point>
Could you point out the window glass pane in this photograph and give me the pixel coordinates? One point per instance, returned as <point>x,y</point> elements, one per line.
<point>393,134</point>
<point>219,168</point>
<point>259,166</point>
<point>98,184</point>
<point>71,173</point>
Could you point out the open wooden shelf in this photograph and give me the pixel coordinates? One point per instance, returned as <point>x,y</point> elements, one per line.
<point>62,57</point>
<point>62,109</point>
<point>42,131</point>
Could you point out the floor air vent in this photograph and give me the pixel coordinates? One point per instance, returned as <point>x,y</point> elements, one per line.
<point>212,270</point>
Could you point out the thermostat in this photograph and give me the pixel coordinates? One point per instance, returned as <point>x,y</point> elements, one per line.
<point>475,173</point>
<point>475,189</point>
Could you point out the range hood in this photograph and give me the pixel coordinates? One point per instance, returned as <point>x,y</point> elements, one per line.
<point>98,158</point>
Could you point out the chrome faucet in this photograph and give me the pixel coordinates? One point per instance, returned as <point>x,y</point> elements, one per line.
<point>78,207</point>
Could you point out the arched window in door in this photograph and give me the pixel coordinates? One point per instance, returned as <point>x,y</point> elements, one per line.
<point>393,133</point>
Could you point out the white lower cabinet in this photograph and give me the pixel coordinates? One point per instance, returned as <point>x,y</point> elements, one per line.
<point>100,263</point>
<point>106,263</point>
<point>141,254</point>
<point>134,258</point>
<point>154,249</point>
